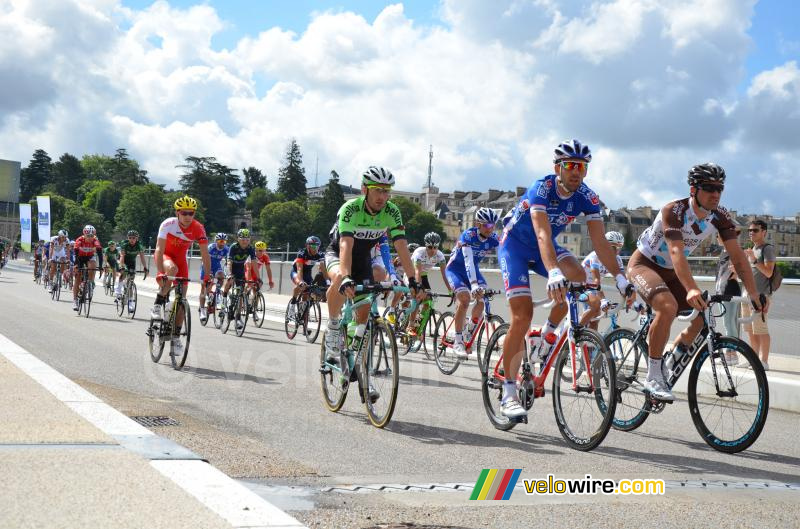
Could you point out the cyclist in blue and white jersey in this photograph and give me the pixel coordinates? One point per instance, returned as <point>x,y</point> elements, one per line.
<point>59,249</point>
<point>217,252</point>
<point>528,242</point>
<point>465,277</point>
<point>595,270</point>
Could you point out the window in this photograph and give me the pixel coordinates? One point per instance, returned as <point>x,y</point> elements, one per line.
<point>564,239</point>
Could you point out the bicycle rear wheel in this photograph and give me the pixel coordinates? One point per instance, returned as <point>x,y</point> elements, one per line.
<point>630,359</point>
<point>176,357</point>
<point>582,423</point>
<point>492,379</point>
<point>313,321</point>
<point>89,292</point>
<point>381,366</point>
<point>259,310</point>
<point>729,414</point>
<point>333,384</point>
<point>445,357</point>
<point>227,312</point>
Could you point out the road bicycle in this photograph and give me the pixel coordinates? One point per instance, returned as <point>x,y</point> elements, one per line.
<point>129,299</point>
<point>214,301</point>
<point>258,305</point>
<point>159,332</point>
<point>413,335</point>
<point>444,336</point>
<point>235,307</point>
<point>305,314</point>
<point>58,281</point>
<point>728,403</point>
<point>583,399</point>
<point>371,360</point>
<point>110,281</point>
<point>85,292</point>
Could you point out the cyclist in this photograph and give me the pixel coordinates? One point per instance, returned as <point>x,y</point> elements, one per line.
<point>175,237</point>
<point>218,252</point>
<point>254,270</point>
<point>425,258</point>
<point>38,252</point>
<point>89,254</point>
<point>360,223</point>
<point>59,248</point>
<point>660,271</point>
<point>128,250</point>
<point>303,266</point>
<point>466,279</point>
<point>595,271</point>
<point>111,255</point>
<point>240,255</point>
<point>528,241</point>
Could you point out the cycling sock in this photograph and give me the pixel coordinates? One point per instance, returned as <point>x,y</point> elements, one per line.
<point>654,369</point>
<point>509,390</point>
<point>160,299</point>
<point>333,324</point>
<point>548,328</point>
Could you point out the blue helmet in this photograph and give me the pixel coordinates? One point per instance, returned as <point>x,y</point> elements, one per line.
<point>572,149</point>
<point>313,240</point>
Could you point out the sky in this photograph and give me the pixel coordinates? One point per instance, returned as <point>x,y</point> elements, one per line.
<point>652,86</point>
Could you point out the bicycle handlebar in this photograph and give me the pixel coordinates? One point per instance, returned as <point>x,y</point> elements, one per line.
<point>719,298</point>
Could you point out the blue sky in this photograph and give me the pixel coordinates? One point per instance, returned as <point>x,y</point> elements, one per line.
<point>776,35</point>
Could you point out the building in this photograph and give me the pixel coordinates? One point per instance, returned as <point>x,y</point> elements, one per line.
<point>9,199</point>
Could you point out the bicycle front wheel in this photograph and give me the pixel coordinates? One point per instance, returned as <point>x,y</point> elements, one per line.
<point>485,333</point>
<point>381,365</point>
<point>493,378</point>
<point>630,359</point>
<point>576,391</point>
<point>89,293</point>
<point>132,301</point>
<point>313,321</point>
<point>445,356</point>
<point>334,385</point>
<point>290,323</point>
<point>260,310</point>
<point>242,313</point>
<point>729,412</point>
<point>178,357</point>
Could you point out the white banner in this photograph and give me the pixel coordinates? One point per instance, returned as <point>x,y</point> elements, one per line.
<point>44,218</point>
<point>25,225</point>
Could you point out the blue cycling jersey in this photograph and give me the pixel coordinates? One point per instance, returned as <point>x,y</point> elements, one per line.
<point>474,246</point>
<point>217,255</point>
<point>543,195</point>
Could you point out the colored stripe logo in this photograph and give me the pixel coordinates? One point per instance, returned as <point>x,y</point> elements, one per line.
<point>495,484</point>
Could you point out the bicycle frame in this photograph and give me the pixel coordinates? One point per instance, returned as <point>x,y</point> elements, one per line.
<point>483,322</point>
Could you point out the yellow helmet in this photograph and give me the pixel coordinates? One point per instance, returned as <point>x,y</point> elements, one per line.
<point>186,202</point>
<point>261,245</point>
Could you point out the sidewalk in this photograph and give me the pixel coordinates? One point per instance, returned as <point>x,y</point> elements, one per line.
<point>71,461</point>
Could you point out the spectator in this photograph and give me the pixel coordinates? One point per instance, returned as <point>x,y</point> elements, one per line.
<point>762,259</point>
<point>728,285</point>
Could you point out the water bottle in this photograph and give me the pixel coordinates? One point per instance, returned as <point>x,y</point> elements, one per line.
<point>534,341</point>
<point>351,332</point>
<point>547,346</point>
<point>673,358</point>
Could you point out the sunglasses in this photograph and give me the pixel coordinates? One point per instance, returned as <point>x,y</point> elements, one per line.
<point>711,188</point>
<point>187,213</point>
<point>570,166</point>
<point>754,230</point>
<point>381,189</point>
<point>489,226</point>
<point>431,246</point>
<point>314,246</point>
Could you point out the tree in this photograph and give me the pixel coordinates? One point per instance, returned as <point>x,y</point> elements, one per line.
<point>102,196</point>
<point>126,171</point>
<point>210,183</point>
<point>407,208</point>
<point>141,208</point>
<point>258,198</point>
<point>76,217</point>
<point>253,179</point>
<point>292,176</point>
<point>98,167</point>
<point>34,177</point>
<point>332,200</point>
<point>284,222</point>
<point>67,176</point>
<point>422,223</point>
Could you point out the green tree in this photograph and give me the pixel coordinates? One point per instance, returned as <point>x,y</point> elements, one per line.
<point>76,217</point>
<point>127,171</point>
<point>141,208</point>
<point>103,196</point>
<point>422,223</point>
<point>292,176</point>
<point>284,222</point>
<point>257,199</point>
<point>253,179</point>
<point>332,200</point>
<point>37,175</point>
<point>98,167</point>
<point>68,175</point>
<point>210,183</point>
<point>407,208</point>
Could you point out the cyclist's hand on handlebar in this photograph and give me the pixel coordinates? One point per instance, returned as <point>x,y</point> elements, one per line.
<point>348,287</point>
<point>556,285</point>
<point>695,299</point>
<point>476,290</point>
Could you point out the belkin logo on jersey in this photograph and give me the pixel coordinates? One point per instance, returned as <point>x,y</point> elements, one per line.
<point>368,234</point>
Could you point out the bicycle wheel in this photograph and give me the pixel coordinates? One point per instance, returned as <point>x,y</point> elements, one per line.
<point>176,357</point>
<point>313,321</point>
<point>290,318</point>
<point>107,285</point>
<point>429,333</point>
<point>260,310</point>
<point>133,300</point>
<point>493,323</point>
<point>121,303</point>
<point>89,292</point>
<point>242,312</point>
<point>630,359</point>
<point>729,414</point>
<point>492,380</point>
<point>445,357</point>
<point>334,385</point>
<point>154,341</point>
<point>217,309</point>
<point>81,297</point>
<point>582,423</point>
<point>227,312</point>
<point>382,376</point>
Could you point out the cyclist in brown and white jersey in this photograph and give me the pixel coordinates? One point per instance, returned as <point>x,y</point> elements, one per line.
<point>660,271</point>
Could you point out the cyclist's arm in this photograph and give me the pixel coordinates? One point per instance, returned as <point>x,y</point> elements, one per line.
<point>297,271</point>
<point>158,255</point>
<point>469,264</point>
<point>602,247</point>
<point>544,236</point>
<point>269,273</point>
<point>324,270</point>
<point>206,258</point>
<point>418,271</point>
<point>346,243</point>
<point>386,256</point>
<point>442,269</point>
<point>596,276</point>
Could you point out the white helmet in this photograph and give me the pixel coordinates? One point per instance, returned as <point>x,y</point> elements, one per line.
<point>62,233</point>
<point>377,175</point>
<point>89,230</point>
<point>487,216</point>
<point>615,237</point>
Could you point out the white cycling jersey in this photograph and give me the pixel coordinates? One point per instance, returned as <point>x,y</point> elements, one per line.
<point>420,257</point>
<point>591,262</point>
<point>58,249</point>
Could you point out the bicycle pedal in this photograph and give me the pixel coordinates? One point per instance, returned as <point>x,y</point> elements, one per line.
<point>519,420</point>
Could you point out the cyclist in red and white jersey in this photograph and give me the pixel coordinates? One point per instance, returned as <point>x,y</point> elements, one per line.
<point>88,253</point>
<point>175,237</point>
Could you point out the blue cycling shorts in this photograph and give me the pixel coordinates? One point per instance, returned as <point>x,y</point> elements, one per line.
<point>516,259</point>
<point>457,276</point>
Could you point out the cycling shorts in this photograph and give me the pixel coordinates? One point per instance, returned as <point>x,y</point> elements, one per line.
<point>216,268</point>
<point>516,259</point>
<point>424,283</point>
<point>460,281</point>
<point>84,260</point>
<point>62,255</point>
<point>360,269</point>
<point>650,279</point>
<point>307,279</point>
<point>181,263</point>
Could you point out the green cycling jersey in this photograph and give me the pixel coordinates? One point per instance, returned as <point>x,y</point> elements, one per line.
<point>366,229</point>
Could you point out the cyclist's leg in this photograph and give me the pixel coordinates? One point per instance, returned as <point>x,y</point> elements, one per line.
<point>477,309</point>
<point>574,272</point>
<point>335,299</point>
<point>202,299</point>
<point>460,284</point>
<point>593,309</point>
<point>514,260</point>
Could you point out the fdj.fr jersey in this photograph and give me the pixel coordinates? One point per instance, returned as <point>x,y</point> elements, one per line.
<point>217,254</point>
<point>543,196</point>
<point>473,246</point>
<point>353,220</point>
<point>677,221</point>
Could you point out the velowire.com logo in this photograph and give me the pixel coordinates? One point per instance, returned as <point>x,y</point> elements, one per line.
<point>495,484</point>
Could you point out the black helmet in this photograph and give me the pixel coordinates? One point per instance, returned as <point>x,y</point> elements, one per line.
<point>706,172</point>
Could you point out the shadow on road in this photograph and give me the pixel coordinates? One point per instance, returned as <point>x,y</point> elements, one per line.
<point>435,383</point>
<point>202,372</point>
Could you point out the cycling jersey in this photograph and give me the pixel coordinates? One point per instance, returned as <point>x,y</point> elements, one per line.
<point>58,248</point>
<point>421,259</point>
<point>179,240</point>
<point>592,262</point>
<point>306,261</point>
<point>254,273</point>
<point>38,250</point>
<point>677,221</point>
<point>131,251</point>
<point>238,257</point>
<point>462,268</point>
<point>216,254</point>
<point>112,256</point>
<point>543,195</point>
<point>88,248</point>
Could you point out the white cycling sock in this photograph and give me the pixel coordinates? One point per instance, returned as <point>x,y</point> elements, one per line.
<point>509,390</point>
<point>548,327</point>
<point>654,369</point>
<point>333,324</point>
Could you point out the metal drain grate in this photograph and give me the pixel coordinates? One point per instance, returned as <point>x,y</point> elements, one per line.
<point>150,421</point>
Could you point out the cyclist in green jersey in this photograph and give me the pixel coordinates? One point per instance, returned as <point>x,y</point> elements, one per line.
<point>111,255</point>
<point>128,250</point>
<point>359,224</point>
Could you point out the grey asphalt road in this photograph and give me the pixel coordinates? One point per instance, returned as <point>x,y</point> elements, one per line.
<point>252,406</point>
